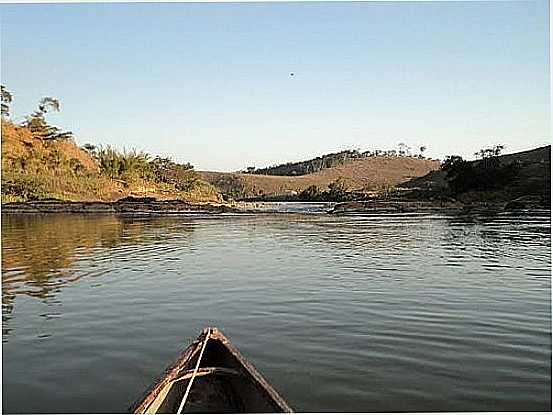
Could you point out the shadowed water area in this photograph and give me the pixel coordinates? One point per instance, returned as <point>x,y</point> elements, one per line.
<point>351,313</point>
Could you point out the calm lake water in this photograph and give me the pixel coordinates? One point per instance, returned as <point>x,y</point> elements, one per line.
<point>352,313</point>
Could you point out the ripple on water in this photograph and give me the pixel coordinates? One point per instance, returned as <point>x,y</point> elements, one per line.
<point>356,313</point>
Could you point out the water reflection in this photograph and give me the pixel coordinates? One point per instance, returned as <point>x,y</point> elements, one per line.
<point>39,251</point>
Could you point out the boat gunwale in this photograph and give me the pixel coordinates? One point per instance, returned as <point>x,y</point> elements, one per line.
<point>143,402</point>
<point>172,372</point>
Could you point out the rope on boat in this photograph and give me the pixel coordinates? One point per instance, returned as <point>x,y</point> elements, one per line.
<point>194,374</point>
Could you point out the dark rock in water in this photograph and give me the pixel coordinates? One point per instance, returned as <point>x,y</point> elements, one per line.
<point>134,206</point>
<point>349,207</point>
<point>394,206</point>
<point>526,202</point>
<point>132,199</point>
<point>54,206</point>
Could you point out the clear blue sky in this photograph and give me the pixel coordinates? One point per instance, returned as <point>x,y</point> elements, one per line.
<point>210,83</point>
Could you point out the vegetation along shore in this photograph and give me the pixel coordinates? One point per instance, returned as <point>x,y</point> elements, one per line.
<point>44,170</point>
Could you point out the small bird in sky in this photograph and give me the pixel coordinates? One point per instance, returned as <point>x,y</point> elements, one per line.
<point>291,73</point>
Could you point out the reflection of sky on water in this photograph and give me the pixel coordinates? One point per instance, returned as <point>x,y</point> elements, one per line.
<point>417,312</point>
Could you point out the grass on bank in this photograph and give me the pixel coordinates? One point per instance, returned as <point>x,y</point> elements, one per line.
<point>35,169</point>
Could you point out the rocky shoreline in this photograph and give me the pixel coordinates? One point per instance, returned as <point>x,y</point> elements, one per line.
<point>128,206</point>
<point>152,206</point>
<point>382,206</point>
<point>524,203</point>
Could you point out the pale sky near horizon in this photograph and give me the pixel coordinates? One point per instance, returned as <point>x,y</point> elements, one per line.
<point>210,83</point>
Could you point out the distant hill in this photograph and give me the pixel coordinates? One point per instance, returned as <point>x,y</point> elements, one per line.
<point>366,173</point>
<point>314,165</point>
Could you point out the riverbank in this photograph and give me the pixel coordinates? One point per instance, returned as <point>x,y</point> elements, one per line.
<point>127,205</point>
<point>37,169</point>
<point>152,206</point>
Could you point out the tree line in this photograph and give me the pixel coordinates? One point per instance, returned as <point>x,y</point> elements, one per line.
<point>330,160</point>
<point>485,174</point>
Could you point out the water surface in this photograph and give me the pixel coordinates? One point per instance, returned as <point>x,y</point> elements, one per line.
<point>353,313</point>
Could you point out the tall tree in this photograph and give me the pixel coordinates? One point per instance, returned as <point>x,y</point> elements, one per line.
<point>36,122</point>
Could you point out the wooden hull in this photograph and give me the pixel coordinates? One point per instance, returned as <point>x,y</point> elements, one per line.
<point>225,382</point>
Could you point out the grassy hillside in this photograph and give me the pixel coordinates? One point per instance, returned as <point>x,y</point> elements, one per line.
<point>34,169</point>
<point>367,174</point>
<point>316,164</point>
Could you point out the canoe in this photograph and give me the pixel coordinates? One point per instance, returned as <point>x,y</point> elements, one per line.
<point>210,376</point>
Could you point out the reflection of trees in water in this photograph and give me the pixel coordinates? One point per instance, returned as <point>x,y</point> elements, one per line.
<point>38,251</point>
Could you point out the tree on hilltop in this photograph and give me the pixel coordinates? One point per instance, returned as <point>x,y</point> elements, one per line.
<point>6,98</point>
